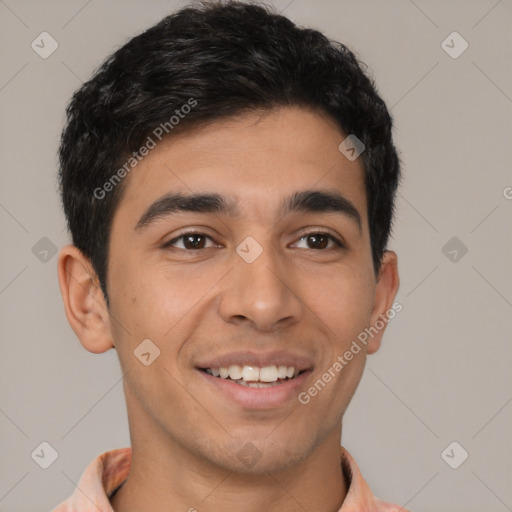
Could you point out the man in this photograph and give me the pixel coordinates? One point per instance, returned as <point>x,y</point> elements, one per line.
<point>228,180</point>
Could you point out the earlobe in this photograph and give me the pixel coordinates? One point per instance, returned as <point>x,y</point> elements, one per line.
<point>385,292</point>
<point>83,299</point>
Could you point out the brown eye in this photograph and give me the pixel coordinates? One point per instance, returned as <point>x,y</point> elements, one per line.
<point>320,241</point>
<point>191,241</point>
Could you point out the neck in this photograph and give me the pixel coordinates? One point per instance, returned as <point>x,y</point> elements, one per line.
<point>165,476</point>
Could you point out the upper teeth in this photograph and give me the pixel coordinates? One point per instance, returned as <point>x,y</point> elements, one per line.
<point>254,373</point>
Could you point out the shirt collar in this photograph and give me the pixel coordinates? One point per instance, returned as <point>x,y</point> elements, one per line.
<point>109,470</point>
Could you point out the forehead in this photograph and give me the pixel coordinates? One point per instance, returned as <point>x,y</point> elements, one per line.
<point>255,160</point>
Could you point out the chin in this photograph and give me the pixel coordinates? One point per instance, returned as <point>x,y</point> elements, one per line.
<point>263,456</point>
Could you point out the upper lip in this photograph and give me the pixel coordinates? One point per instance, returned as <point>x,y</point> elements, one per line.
<point>251,358</point>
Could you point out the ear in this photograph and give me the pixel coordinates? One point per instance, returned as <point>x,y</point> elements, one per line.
<point>84,303</point>
<point>386,289</point>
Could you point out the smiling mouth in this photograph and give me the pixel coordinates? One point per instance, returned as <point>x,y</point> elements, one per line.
<point>255,376</point>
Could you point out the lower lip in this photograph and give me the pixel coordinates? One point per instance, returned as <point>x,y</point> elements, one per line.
<point>258,398</point>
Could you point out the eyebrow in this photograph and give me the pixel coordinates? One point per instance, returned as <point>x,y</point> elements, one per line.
<point>311,201</point>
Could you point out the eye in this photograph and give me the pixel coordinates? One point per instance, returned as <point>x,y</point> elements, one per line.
<point>194,241</point>
<point>320,240</point>
<point>191,241</point>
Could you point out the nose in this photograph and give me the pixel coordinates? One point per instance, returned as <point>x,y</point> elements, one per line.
<point>261,294</point>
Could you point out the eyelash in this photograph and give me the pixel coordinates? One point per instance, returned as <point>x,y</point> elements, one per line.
<point>339,243</point>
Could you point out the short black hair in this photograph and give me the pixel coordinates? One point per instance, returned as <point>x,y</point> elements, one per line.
<point>198,65</point>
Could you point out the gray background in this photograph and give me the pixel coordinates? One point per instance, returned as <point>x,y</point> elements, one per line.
<point>443,372</point>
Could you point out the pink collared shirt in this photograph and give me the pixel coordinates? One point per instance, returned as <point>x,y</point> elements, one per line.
<point>110,469</point>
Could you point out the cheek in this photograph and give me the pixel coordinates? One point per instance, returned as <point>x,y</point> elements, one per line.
<point>343,300</point>
<point>149,301</point>
<point>159,304</point>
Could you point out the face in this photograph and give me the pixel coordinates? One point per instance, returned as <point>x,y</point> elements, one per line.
<point>264,288</point>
